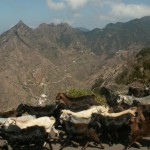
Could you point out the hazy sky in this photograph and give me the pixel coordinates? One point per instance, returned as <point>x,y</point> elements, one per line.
<point>78,13</point>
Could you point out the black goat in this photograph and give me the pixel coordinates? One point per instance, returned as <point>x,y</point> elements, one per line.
<point>111,126</point>
<point>77,108</point>
<point>138,92</point>
<point>38,111</point>
<point>30,135</point>
<point>111,97</point>
<point>11,128</point>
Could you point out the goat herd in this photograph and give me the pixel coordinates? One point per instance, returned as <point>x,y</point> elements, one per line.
<point>77,121</point>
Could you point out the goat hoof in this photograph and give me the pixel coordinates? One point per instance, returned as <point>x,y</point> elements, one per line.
<point>126,148</point>
<point>138,144</point>
<point>102,147</point>
<point>96,144</point>
<point>110,144</point>
<point>57,135</point>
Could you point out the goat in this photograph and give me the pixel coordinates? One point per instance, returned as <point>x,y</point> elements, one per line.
<point>82,116</point>
<point>10,113</point>
<point>145,108</point>
<point>77,101</point>
<point>46,122</point>
<point>30,135</point>
<point>112,125</point>
<point>38,111</point>
<point>139,129</point>
<point>138,92</point>
<point>80,131</point>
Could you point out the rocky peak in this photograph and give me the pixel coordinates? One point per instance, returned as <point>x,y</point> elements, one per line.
<point>20,23</point>
<point>20,28</point>
<point>43,25</point>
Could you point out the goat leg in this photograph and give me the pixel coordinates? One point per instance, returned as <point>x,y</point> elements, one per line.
<point>50,145</point>
<point>55,131</point>
<point>96,139</point>
<point>49,142</point>
<point>131,143</point>
<point>44,144</point>
<point>138,144</point>
<point>75,143</point>
<point>63,145</point>
<point>86,145</point>
<point>110,139</point>
<point>65,142</point>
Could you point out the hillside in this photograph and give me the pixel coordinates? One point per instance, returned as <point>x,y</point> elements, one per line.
<point>135,71</point>
<point>42,61</point>
<point>120,36</point>
<point>52,58</point>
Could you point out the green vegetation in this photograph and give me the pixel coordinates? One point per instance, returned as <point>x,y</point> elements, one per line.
<point>76,92</point>
<point>139,71</point>
<point>146,64</point>
<point>65,39</point>
<point>144,52</point>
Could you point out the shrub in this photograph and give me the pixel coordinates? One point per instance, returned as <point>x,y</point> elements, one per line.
<point>144,52</point>
<point>76,92</point>
<point>146,64</point>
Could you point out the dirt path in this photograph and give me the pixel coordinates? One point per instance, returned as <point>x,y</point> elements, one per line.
<point>144,142</point>
<point>56,146</point>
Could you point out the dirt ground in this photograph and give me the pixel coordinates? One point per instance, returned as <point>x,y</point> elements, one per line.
<point>56,146</point>
<point>145,142</point>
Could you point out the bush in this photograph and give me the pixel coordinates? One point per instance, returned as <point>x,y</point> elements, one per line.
<point>144,52</point>
<point>146,64</point>
<point>76,92</point>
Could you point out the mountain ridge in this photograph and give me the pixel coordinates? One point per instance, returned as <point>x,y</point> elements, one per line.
<point>51,58</point>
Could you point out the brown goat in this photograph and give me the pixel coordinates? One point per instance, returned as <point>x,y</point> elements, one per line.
<point>81,130</point>
<point>139,129</point>
<point>10,113</point>
<point>77,101</point>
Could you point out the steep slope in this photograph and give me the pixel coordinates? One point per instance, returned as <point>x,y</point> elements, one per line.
<point>137,70</point>
<point>21,67</point>
<point>132,71</point>
<point>28,69</point>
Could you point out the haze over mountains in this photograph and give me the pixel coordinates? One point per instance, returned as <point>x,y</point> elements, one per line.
<point>52,58</point>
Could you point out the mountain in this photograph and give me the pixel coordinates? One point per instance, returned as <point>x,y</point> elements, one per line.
<point>52,58</point>
<point>120,36</point>
<point>83,29</point>
<point>45,60</point>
